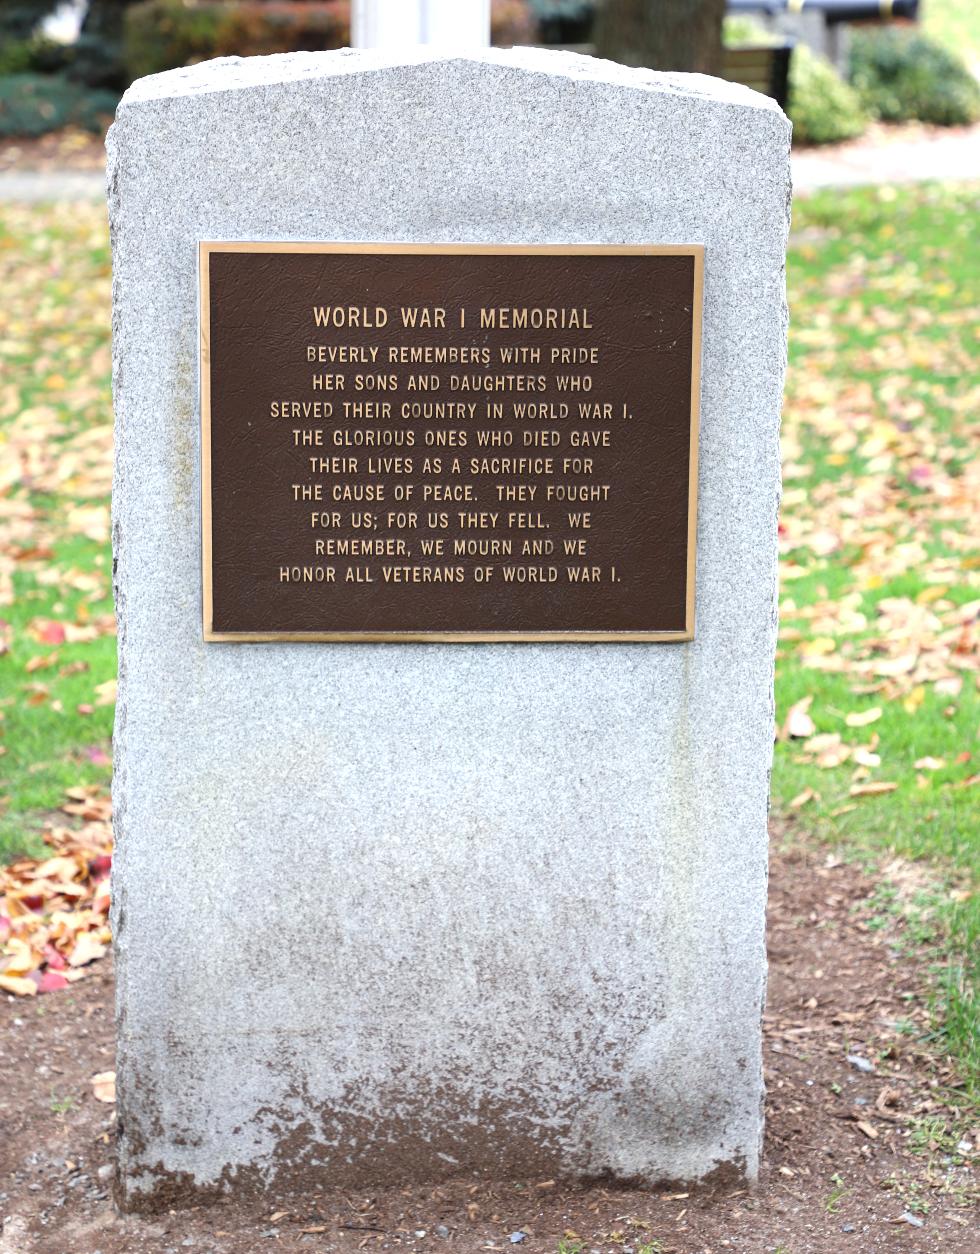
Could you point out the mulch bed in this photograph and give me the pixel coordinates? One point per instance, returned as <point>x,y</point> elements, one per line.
<point>69,149</point>
<point>865,1147</point>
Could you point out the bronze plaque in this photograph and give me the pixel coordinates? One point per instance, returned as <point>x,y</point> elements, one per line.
<point>449,443</point>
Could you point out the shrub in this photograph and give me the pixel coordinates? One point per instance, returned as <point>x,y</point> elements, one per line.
<point>904,76</point>
<point>32,104</point>
<point>16,57</point>
<point>741,29</point>
<point>97,55</point>
<point>563,21</point>
<point>166,34</point>
<point>512,22</point>
<point>32,56</point>
<point>19,18</point>
<point>822,107</point>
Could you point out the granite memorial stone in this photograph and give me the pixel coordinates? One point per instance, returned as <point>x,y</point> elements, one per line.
<point>389,912</point>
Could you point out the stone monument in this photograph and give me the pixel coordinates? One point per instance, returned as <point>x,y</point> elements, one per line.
<point>424,869</point>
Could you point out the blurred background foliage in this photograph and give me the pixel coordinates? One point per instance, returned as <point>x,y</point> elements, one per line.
<point>893,73</point>
<point>903,76</point>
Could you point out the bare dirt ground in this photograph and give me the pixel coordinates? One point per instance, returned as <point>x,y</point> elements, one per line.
<point>865,1150</point>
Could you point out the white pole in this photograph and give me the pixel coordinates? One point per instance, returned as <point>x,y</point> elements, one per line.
<point>456,23</point>
<point>409,23</point>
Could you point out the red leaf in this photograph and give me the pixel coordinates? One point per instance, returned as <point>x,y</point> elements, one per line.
<point>54,959</point>
<point>47,631</point>
<point>51,981</point>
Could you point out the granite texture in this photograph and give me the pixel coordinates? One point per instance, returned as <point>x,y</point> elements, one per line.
<point>388,912</point>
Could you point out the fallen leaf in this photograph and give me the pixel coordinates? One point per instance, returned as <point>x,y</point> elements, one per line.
<point>41,662</point>
<point>833,755</point>
<point>888,1097</point>
<point>51,982</point>
<point>799,725</point>
<point>872,789</point>
<point>47,632</point>
<point>87,949</point>
<point>104,1086</point>
<point>18,985</point>
<point>892,666</point>
<point>863,718</point>
<point>820,646</point>
<point>106,692</point>
<point>914,699</point>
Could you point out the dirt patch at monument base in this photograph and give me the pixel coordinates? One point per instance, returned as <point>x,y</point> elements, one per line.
<point>867,1148</point>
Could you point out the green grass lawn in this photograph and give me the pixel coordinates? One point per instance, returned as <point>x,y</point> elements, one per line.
<point>57,642</point>
<point>880,550</point>
<point>878,654</point>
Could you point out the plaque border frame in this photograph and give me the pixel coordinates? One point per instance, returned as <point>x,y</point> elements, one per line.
<point>207,247</point>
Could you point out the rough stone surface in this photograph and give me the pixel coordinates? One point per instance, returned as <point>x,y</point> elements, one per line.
<point>388,911</point>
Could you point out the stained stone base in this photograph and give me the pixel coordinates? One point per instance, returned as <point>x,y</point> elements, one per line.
<point>397,912</point>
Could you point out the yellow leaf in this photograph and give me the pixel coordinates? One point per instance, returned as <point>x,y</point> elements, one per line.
<point>18,986</point>
<point>19,957</point>
<point>818,646</point>
<point>914,699</point>
<point>59,868</point>
<point>802,798</point>
<point>87,949</point>
<point>930,764</point>
<point>107,692</point>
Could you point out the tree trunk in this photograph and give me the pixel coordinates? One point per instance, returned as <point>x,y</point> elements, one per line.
<point>662,34</point>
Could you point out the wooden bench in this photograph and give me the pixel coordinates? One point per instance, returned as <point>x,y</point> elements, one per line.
<point>763,67</point>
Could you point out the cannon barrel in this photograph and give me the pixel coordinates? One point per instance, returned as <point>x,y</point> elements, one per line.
<point>833,10</point>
